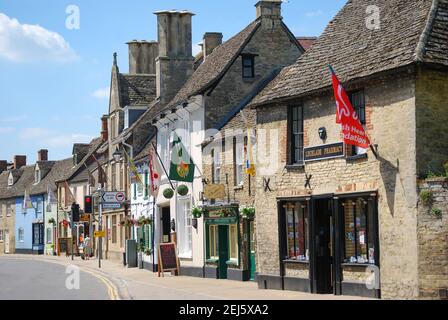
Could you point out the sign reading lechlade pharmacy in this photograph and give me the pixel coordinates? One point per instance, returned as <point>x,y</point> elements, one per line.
<point>328,151</point>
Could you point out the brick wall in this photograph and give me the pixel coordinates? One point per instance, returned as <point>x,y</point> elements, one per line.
<point>433,241</point>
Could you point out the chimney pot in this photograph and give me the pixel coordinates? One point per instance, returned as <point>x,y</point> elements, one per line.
<point>142,56</point>
<point>19,162</point>
<point>104,128</point>
<point>42,155</point>
<point>270,12</point>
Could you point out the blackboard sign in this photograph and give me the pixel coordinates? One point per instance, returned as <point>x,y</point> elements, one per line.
<point>63,245</point>
<point>328,151</point>
<point>168,260</point>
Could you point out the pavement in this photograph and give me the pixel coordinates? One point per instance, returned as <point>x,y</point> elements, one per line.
<point>120,282</point>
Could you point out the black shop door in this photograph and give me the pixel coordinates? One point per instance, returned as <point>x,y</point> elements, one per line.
<point>166,225</point>
<point>323,283</point>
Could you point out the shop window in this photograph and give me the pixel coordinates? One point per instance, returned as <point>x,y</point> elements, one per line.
<point>238,161</point>
<point>21,235</point>
<point>213,242</point>
<point>184,228</point>
<point>233,242</point>
<point>296,135</point>
<point>297,231</point>
<point>248,66</point>
<point>114,229</point>
<point>360,231</point>
<point>38,233</point>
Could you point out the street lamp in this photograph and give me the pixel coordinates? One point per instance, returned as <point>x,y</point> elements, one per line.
<point>117,155</point>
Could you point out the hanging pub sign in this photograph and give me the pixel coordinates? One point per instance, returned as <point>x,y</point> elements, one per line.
<point>215,191</point>
<point>328,151</point>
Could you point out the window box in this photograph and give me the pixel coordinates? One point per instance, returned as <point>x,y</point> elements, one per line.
<point>212,260</point>
<point>232,262</point>
<point>296,261</point>
<point>357,157</point>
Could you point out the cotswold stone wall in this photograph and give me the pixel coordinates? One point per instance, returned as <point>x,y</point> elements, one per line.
<point>432,120</point>
<point>433,241</point>
<point>390,103</point>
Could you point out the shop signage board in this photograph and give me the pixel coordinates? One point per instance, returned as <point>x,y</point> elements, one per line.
<point>215,191</point>
<point>111,205</point>
<point>168,260</point>
<point>100,234</point>
<point>327,151</point>
<point>114,197</point>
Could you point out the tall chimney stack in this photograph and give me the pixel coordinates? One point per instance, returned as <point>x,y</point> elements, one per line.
<point>42,155</point>
<point>174,64</point>
<point>270,13</point>
<point>142,57</point>
<point>104,128</point>
<point>211,41</point>
<point>19,162</point>
<point>3,165</point>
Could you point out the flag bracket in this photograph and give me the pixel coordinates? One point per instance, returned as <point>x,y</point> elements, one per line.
<point>374,148</point>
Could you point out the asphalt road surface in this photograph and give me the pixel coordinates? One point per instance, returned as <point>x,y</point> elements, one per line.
<point>37,280</point>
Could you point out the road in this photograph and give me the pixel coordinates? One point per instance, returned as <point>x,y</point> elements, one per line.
<point>23,279</point>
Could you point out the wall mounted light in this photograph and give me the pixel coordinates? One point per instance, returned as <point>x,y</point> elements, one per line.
<point>323,133</point>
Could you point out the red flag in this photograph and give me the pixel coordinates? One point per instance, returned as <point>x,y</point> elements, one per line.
<point>352,129</point>
<point>154,172</point>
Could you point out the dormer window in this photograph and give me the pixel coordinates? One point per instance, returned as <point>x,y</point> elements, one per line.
<point>37,175</point>
<point>10,180</point>
<point>248,66</point>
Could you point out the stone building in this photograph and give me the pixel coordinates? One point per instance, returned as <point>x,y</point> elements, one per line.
<point>335,215</point>
<point>230,75</point>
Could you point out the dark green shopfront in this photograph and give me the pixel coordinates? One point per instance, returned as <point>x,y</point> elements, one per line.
<point>229,244</point>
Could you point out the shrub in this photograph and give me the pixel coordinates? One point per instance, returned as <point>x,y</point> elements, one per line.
<point>427,198</point>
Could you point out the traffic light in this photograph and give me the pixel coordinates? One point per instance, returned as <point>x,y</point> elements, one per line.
<point>88,204</point>
<point>75,212</point>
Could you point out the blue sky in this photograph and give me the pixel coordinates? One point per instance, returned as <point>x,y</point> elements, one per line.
<point>54,80</point>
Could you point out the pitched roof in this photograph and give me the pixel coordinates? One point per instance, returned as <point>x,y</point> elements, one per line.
<point>409,32</point>
<point>137,89</point>
<point>215,65</point>
<point>306,42</point>
<point>58,169</point>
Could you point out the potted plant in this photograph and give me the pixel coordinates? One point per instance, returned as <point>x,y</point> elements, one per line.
<point>196,213</point>
<point>168,193</point>
<point>148,252</point>
<point>52,221</point>
<point>182,190</point>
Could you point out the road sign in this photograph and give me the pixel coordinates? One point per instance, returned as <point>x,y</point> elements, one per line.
<point>114,197</point>
<point>100,234</point>
<point>111,205</point>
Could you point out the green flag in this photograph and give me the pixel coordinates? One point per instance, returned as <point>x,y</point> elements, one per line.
<point>182,166</point>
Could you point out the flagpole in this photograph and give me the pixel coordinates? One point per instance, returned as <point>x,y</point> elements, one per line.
<point>163,167</point>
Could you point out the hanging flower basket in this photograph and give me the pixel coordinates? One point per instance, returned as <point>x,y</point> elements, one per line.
<point>142,221</point>
<point>248,213</point>
<point>52,221</point>
<point>196,212</point>
<point>168,193</point>
<point>182,190</point>
<point>226,213</point>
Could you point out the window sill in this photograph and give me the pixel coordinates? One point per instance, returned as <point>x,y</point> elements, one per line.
<point>212,260</point>
<point>357,157</point>
<point>295,166</point>
<point>296,261</point>
<point>237,188</point>
<point>232,263</point>
<point>360,265</point>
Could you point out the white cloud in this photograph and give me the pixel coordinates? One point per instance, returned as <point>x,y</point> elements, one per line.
<point>313,14</point>
<point>29,43</point>
<point>102,93</point>
<point>7,130</point>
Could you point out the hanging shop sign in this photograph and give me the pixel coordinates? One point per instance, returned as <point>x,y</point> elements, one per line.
<point>328,151</point>
<point>215,191</point>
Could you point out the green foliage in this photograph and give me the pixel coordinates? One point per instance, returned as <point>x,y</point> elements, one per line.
<point>436,212</point>
<point>144,221</point>
<point>168,193</point>
<point>182,190</point>
<point>225,213</point>
<point>427,198</point>
<point>148,252</point>
<point>431,175</point>
<point>196,212</point>
<point>52,221</point>
<point>446,168</point>
<point>248,213</point>
<point>141,247</point>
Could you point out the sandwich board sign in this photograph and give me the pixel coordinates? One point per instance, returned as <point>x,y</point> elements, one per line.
<point>168,260</point>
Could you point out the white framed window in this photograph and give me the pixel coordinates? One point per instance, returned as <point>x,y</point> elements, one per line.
<point>10,180</point>
<point>37,176</point>
<point>1,235</point>
<point>21,235</point>
<point>49,235</point>
<point>164,144</point>
<point>213,241</point>
<point>216,165</point>
<point>233,242</point>
<point>39,205</point>
<point>184,228</point>
<point>238,161</point>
